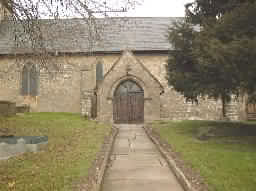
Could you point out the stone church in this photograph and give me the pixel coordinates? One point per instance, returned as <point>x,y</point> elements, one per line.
<point>120,78</point>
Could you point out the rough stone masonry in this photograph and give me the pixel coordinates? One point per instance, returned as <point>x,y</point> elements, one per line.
<point>130,49</point>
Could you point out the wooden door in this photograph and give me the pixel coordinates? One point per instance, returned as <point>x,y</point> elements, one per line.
<point>128,104</point>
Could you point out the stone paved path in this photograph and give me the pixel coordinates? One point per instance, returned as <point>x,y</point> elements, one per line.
<point>136,164</point>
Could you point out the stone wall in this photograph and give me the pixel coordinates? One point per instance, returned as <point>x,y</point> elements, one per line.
<point>59,86</point>
<point>69,84</point>
<point>4,13</point>
<point>236,109</point>
<point>9,80</point>
<point>129,68</point>
<point>173,104</point>
<point>1,12</point>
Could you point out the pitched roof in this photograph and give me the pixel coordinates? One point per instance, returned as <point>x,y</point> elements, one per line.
<point>115,34</point>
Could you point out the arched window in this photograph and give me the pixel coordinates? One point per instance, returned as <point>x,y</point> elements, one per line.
<point>30,78</point>
<point>99,72</point>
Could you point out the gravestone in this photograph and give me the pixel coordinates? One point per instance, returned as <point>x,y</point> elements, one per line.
<point>22,109</point>
<point>7,108</point>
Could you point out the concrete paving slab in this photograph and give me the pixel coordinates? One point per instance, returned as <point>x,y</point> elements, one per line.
<point>142,185</point>
<point>119,164</point>
<point>136,164</point>
<point>135,156</point>
<point>145,172</point>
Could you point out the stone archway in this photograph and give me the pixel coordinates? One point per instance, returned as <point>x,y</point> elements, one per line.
<point>128,103</point>
<point>129,69</point>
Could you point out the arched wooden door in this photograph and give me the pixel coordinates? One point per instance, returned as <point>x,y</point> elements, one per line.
<point>128,103</point>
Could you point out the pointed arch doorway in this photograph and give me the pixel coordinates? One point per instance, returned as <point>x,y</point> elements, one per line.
<point>128,103</point>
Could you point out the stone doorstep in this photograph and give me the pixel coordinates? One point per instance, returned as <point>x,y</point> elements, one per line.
<point>187,186</point>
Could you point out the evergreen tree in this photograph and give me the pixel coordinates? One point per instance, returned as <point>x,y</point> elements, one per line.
<point>219,59</point>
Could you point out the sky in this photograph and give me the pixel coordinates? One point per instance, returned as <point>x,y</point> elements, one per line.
<point>160,8</point>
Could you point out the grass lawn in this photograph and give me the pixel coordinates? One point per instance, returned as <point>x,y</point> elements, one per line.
<point>73,145</point>
<point>226,163</point>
